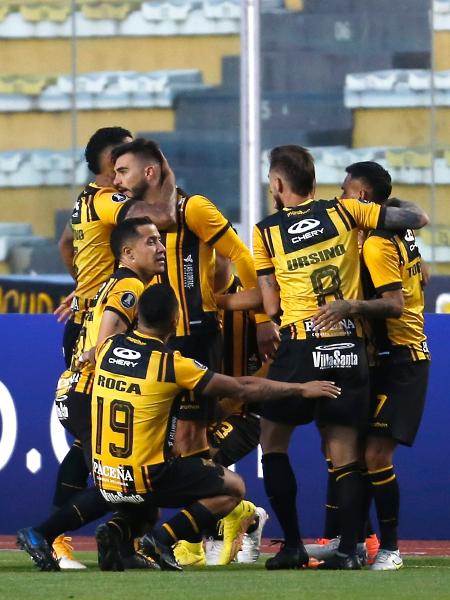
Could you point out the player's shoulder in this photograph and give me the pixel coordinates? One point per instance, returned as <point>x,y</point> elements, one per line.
<point>110,195</point>
<point>375,235</point>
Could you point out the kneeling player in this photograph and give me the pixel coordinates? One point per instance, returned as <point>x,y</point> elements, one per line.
<point>138,383</point>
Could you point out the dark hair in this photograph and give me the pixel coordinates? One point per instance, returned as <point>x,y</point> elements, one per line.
<point>125,232</point>
<point>297,166</point>
<point>145,149</point>
<point>157,305</point>
<point>102,138</point>
<point>373,175</point>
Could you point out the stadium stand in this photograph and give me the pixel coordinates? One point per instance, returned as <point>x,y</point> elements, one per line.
<point>104,90</point>
<point>394,88</point>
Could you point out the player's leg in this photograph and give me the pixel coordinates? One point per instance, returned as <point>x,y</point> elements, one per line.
<point>396,413</point>
<point>209,492</point>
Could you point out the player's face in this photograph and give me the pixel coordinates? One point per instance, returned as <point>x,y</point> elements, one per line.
<point>130,176</point>
<point>149,255</point>
<point>353,188</point>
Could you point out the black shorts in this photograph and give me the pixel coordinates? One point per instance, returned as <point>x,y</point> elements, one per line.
<point>206,349</point>
<point>178,482</point>
<point>339,359</point>
<point>70,336</point>
<point>234,437</point>
<point>397,399</point>
<point>74,413</point>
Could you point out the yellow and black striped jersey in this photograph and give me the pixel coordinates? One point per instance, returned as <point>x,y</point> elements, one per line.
<point>138,381</point>
<point>119,294</point>
<point>313,251</point>
<point>240,349</point>
<point>190,257</point>
<point>393,262</point>
<point>96,212</point>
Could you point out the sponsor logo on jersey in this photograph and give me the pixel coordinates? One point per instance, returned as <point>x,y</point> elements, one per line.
<point>126,353</point>
<point>119,197</point>
<point>118,497</point>
<point>125,357</point>
<point>188,272</point>
<point>199,365</point>
<point>62,411</point>
<point>334,359</point>
<point>304,230</point>
<point>115,473</point>
<point>332,347</point>
<point>128,300</point>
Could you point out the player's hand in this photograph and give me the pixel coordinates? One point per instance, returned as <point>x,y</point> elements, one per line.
<point>64,311</point>
<point>320,389</point>
<point>329,315</point>
<point>87,358</point>
<point>268,339</point>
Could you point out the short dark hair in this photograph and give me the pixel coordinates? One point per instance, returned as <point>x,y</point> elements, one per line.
<point>297,166</point>
<point>125,232</point>
<point>374,175</point>
<point>157,305</point>
<point>145,149</point>
<point>102,138</point>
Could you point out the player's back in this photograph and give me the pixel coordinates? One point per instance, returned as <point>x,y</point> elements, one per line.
<point>137,380</point>
<point>312,249</point>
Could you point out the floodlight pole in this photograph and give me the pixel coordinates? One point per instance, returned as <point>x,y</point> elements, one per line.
<point>250,200</point>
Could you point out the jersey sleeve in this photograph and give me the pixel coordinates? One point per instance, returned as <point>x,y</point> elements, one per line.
<point>261,254</point>
<point>110,206</point>
<point>208,223</point>
<point>364,215</point>
<point>124,297</point>
<point>382,261</point>
<point>190,374</point>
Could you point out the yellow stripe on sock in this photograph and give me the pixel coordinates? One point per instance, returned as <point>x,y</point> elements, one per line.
<point>192,521</point>
<point>388,480</point>
<point>170,531</point>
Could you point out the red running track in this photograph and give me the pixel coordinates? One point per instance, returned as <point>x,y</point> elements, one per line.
<point>411,547</point>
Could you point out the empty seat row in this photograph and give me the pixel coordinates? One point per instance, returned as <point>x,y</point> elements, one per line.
<point>103,90</point>
<point>406,165</point>
<point>33,168</point>
<point>397,87</point>
<point>130,17</point>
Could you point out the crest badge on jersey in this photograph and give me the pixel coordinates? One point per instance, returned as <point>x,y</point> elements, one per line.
<point>128,300</point>
<point>119,197</point>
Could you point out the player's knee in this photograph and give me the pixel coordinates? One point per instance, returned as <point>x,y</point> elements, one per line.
<point>235,486</point>
<point>378,455</point>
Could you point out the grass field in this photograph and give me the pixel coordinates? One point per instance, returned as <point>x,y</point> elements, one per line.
<point>424,577</point>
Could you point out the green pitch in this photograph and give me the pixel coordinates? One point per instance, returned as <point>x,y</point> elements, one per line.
<point>424,577</point>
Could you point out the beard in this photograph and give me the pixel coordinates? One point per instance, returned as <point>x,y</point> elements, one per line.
<point>139,190</point>
<point>278,203</point>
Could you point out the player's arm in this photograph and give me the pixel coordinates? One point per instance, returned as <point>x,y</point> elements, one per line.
<point>394,215</point>
<point>390,305</point>
<point>244,300</point>
<point>270,292</point>
<point>66,248</point>
<point>111,324</point>
<point>256,389</point>
<point>402,214</point>
<point>381,260</point>
<point>161,208</point>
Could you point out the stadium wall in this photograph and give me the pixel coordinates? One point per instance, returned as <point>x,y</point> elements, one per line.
<point>32,440</point>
